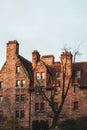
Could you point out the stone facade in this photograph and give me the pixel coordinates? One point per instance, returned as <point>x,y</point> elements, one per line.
<point>20,78</point>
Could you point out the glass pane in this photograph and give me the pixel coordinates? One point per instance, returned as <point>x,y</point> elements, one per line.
<point>23,83</point>
<point>37,75</point>
<point>17,69</point>
<point>43,75</point>
<point>42,106</point>
<point>36,106</point>
<point>75,89</point>
<point>22,98</point>
<point>17,114</point>
<point>1,84</point>
<point>17,98</point>
<point>75,105</point>
<point>56,90</point>
<point>22,114</point>
<point>17,83</point>
<point>1,99</point>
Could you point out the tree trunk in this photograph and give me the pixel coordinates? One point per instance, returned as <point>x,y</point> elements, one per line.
<point>55,121</point>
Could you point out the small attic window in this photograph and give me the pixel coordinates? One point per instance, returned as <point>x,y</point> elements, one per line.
<point>78,74</point>
<point>38,75</point>
<point>17,69</point>
<point>58,75</point>
<point>43,75</point>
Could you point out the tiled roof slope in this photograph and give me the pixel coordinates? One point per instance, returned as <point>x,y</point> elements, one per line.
<point>28,66</point>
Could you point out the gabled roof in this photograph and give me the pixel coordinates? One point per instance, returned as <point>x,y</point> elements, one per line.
<point>55,68</point>
<point>82,66</point>
<point>27,65</point>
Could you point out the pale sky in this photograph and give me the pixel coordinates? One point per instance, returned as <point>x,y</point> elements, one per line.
<point>43,25</point>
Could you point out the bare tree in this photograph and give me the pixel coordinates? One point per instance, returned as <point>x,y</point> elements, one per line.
<point>64,91</point>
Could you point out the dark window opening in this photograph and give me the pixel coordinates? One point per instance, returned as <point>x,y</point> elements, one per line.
<point>17,98</point>
<point>42,106</point>
<point>75,105</point>
<point>1,85</point>
<point>37,107</point>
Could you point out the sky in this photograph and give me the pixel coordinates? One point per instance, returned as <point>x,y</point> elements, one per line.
<point>44,25</point>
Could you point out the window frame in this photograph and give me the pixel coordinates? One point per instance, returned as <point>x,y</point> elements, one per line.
<point>37,106</point>
<point>76,89</point>
<point>17,99</point>
<point>38,75</point>
<point>42,106</point>
<point>56,90</point>
<point>18,69</point>
<point>1,98</point>
<point>18,114</point>
<point>22,115</point>
<point>1,85</point>
<point>18,83</point>
<point>75,106</point>
<point>1,115</point>
<point>23,83</point>
<point>22,98</point>
<point>58,75</point>
<point>42,75</point>
<point>78,74</point>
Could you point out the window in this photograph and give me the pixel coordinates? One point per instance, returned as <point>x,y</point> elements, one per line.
<point>56,106</point>
<point>22,114</point>
<point>75,89</point>
<point>78,74</point>
<point>17,98</point>
<point>19,114</point>
<point>17,83</point>
<point>58,75</point>
<point>75,105</point>
<point>37,90</point>
<point>42,75</point>
<point>1,99</point>
<point>36,106</point>
<point>1,85</point>
<point>42,106</point>
<point>23,83</point>
<point>1,115</point>
<point>37,75</point>
<point>22,98</point>
<point>56,90</point>
<point>17,69</point>
<point>39,106</point>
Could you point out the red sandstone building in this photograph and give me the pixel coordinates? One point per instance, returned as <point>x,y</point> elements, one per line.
<point>19,96</point>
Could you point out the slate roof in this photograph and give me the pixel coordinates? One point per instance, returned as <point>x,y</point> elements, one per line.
<point>27,65</point>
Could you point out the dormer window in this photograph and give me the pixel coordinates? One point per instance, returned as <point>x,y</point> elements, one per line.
<point>78,74</point>
<point>37,75</point>
<point>42,75</point>
<point>17,69</point>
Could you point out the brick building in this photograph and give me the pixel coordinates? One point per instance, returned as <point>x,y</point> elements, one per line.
<point>19,91</point>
